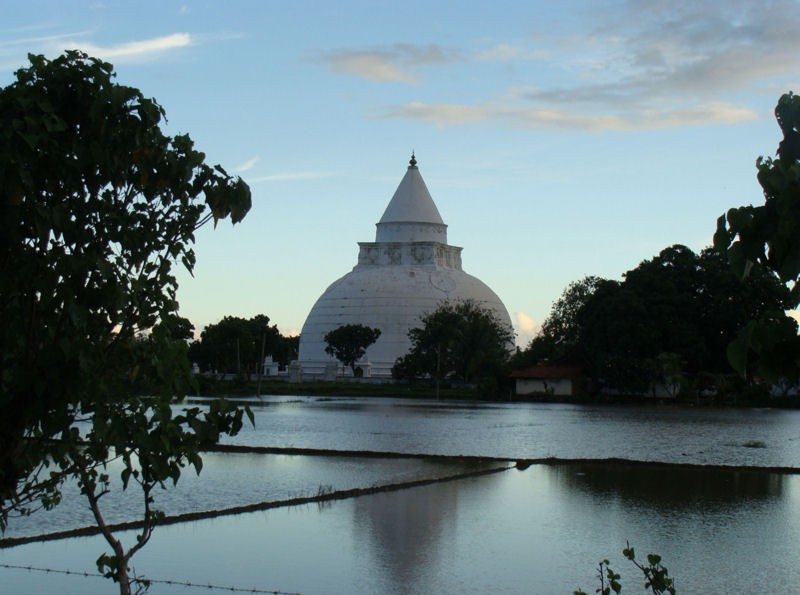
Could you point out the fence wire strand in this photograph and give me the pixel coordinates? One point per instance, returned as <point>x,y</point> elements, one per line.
<point>319,499</point>
<point>178,583</point>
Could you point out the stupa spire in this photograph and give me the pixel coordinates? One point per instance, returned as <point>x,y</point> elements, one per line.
<point>411,215</point>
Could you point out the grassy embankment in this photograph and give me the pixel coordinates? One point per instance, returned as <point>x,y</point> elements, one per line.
<point>752,396</point>
<point>209,387</point>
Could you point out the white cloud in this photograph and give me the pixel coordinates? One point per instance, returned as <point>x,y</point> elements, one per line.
<point>13,50</point>
<point>640,65</point>
<point>712,112</point>
<point>665,64</point>
<point>558,118</point>
<point>527,328</point>
<point>441,115</point>
<point>133,50</point>
<point>395,63</point>
<point>373,66</point>
<point>674,51</point>
<point>645,119</point>
<point>10,32</point>
<point>247,165</point>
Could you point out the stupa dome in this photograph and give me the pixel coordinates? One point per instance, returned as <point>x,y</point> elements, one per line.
<point>404,274</point>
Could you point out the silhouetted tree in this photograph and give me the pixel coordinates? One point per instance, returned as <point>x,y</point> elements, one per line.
<point>459,341</point>
<point>766,238</point>
<point>236,345</point>
<point>561,330</point>
<point>678,303</point>
<point>96,207</point>
<point>349,343</point>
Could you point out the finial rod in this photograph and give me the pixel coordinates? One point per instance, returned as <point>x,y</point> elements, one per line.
<point>413,160</point>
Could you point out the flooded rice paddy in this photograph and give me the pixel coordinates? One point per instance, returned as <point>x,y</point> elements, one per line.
<point>720,526</point>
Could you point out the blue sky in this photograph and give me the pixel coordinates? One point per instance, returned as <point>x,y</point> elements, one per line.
<point>558,139</point>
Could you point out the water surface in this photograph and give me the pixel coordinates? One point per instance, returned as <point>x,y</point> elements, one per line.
<point>701,435</point>
<point>541,530</point>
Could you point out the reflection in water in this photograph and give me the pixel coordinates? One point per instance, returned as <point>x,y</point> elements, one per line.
<point>404,532</point>
<point>669,486</point>
<point>701,435</point>
<point>541,530</point>
<point>234,479</point>
<point>741,524</point>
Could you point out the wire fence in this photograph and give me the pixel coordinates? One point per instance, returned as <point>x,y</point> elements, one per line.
<point>486,466</point>
<point>482,466</point>
<point>320,497</point>
<point>177,583</point>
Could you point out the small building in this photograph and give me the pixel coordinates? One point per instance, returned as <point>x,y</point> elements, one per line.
<point>270,367</point>
<point>547,380</point>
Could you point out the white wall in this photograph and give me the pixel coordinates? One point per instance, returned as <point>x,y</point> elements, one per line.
<point>555,386</point>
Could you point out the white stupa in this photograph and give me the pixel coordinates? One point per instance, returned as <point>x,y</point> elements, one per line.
<point>405,273</point>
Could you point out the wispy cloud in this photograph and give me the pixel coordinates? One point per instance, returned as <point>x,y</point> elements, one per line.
<point>559,118</point>
<point>646,64</point>
<point>247,165</point>
<point>396,63</point>
<point>505,52</point>
<point>441,115</point>
<point>14,50</point>
<point>10,33</point>
<point>289,176</point>
<point>668,116</point>
<point>133,50</point>
<point>18,42</point>
<point>373,66</point>
<point>680,63</point>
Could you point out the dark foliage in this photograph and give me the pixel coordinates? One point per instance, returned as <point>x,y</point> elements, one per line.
<point>460,342</point>
<point>96,207</point>
<point>668,322</point>
<point>237,345</point>
<point>348,343</point>
<point>765,240</point>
